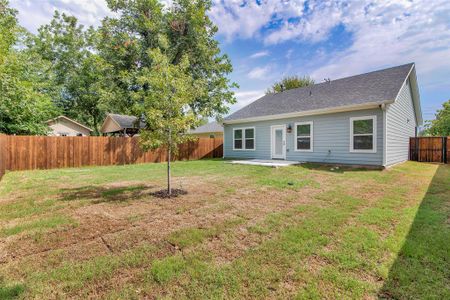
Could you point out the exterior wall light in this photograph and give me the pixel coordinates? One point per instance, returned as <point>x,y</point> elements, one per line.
<point>289,128</point>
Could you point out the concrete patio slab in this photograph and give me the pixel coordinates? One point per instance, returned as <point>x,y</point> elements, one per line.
<point>263,162</point>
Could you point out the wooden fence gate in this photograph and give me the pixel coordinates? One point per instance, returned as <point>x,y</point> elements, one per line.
<point>430,149</point>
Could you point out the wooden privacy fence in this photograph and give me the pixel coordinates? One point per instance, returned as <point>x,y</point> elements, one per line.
<point>44,152</point>
<point>2,155</point>
<point>430,149</point>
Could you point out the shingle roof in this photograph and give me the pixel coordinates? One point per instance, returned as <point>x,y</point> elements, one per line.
<point>373,87</point>
<point>125,121</point>
<point>68,119</point>
<point>210,127</point>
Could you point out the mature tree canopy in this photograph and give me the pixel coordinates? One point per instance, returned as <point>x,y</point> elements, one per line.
<point>167,67</point>
<point>440,126</point>
<point>290,82</point>
<point>24,103</point>
<point>78,73</point>
<point>126,40</point>
<point>84,73</point>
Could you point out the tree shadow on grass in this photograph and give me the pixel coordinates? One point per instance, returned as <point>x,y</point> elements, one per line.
<point>422,268</point>
<point>98,194</point>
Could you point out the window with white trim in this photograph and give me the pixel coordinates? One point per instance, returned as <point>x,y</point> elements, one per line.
<point>304,136</point>
<point>363,134</point>
<point>244,138</point>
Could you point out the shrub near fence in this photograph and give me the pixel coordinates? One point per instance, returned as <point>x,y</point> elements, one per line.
<point>44,152</point>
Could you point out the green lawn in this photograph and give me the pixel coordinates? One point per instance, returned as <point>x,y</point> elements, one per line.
<point>305,232</point>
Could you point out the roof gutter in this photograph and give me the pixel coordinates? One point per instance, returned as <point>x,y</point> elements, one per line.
<point>323,111</point>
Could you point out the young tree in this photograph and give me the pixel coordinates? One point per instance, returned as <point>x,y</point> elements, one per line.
<point>167,104</point>
<point>24,103</point>
<point>290,82</point>
<point>167,67</point>
<point>440,126</point>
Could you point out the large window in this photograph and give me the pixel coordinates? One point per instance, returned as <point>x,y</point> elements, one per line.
<point>304,136</point>
<point>244,138</point>
<point>363,134</point>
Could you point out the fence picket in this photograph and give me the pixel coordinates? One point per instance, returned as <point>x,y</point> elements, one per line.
<point>43,152</point>
<point>429,149</point>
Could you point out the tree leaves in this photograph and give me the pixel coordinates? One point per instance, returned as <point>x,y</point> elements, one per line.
<point>24,103</point>
<point>290,82</point>
<point>171,90</point>
<point>84,73</point>
<point>186,30</point>
<point>440,126</point>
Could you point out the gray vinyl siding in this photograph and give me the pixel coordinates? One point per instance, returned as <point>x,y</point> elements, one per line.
<point>399,130</point>
<point>331,139</point>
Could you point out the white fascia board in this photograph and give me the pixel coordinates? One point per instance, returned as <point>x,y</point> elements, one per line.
<point>311,112</point>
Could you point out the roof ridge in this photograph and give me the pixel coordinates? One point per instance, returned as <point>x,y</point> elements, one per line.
<point>370,87</point>
<point>348,77</point>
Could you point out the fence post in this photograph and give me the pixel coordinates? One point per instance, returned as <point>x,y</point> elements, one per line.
<point>444,150</point>
<point>418,149</point>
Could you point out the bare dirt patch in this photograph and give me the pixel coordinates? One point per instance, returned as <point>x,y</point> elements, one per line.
<point>164,194</point>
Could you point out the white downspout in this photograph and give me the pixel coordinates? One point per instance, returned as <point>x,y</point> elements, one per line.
<point>384,109</point>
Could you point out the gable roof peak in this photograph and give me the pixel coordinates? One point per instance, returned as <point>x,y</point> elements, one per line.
<point>374,87</point>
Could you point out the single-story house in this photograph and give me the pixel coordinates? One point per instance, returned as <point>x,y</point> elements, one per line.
<point>122,125</point>
<point>211,130</point>
<point>63,126</point>
<point>365,119</point>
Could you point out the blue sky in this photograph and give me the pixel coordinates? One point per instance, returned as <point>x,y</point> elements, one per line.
<point>324,39</point>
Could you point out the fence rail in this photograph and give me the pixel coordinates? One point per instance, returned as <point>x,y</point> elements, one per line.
<point>43,152</point>
<point>430,149</point>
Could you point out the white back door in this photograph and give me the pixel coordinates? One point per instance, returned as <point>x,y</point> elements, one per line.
<point>278,138</point>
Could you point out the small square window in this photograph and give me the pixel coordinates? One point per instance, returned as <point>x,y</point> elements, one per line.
<point>249,143</point>
<point>237,144</point>
<point>363,126</point>
<point>244,139</point>
<point>363,134</point>
<point>304,136</point>
<point>249,133</point>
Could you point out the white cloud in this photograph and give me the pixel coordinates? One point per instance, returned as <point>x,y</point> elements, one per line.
<point>260,54</point>
<point>258,72</point>
<point>391,34</point>
<point>384,32</point>
<point>244,98</point>
<point>33,14</point>
<point>244,19</point>
<point>314,26</point>
<point>289,53</point>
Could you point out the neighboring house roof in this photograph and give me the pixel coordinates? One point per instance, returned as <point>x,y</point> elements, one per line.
<point>121,122</point>
<point>125,121</point>
<point>210,127</point>
<point>68,120</point>
<point>374,88</point>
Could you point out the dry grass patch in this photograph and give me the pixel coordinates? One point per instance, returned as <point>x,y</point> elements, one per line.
<point>239,232</point>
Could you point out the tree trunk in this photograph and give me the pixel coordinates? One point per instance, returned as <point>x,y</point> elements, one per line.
<point>96,131</point>
<point>169,190</point>
<point>169,150</point>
